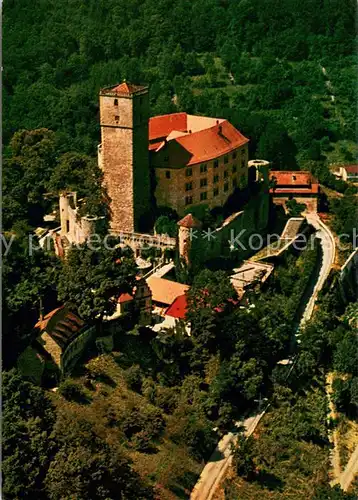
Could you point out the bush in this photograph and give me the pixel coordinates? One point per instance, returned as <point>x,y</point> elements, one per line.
<point>166,398</point>
<point>196,432</point>
<point>142,442</point>
<point>243,457</point>
<point>147,419</point>
<point>72,391</point>
<point>341,394</point>
<point>134,378</point>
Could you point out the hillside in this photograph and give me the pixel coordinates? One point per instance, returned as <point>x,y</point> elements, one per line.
<point>216,57</point>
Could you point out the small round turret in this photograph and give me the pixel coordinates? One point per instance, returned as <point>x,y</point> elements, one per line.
<point>186,227</point>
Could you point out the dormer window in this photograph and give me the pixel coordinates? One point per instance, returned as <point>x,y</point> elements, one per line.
<point>116,102</point>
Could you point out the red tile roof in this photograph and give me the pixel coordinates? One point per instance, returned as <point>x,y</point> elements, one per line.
<point>294,182</point>
<point>127,88</point>
<point>201,145</point>
<point>351,169</point>
<point>61,325</point>
<point>204,145</point>
<point>178,308</point>
<point>189,221</point>
<point>125,297</point>
<point>161,126</point>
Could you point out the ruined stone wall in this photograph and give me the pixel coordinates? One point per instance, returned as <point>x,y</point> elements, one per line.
<point>253,219</point>
<point>311,202</point>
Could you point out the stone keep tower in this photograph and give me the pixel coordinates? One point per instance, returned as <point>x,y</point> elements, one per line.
<point>123,153</point>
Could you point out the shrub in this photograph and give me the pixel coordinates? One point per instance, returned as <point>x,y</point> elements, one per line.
<point>72,391</point>
<point>148,419</point>
<point>134,378</point>
<point>141,441</point>
<point>166,398</point>
<point>196,432</point>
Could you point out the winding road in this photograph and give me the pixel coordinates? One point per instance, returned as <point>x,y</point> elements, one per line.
<point>220,460</point>
<point>350,472</point>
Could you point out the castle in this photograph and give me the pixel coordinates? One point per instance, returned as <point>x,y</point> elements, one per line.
<point>183,160</point>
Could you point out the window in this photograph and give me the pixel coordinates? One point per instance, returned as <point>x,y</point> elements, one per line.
<point>226,187</point>
<point>234,168</point>
<point>203,196</point>
<point>234,182</point>
<point>166,158</point>
<point>116,118</point>
<point>167,174</point>
<point>188,186</point>
<point>226,174</point>
<point>216,179</point>
<point>203,168</point>
<point>226,159</point>
<point>234,155</point>
<point>203,182</point>
<point>216,191</point>
<point>116,102</point>
<point>216,163</point>
<point>188,172</point>
<point>188,200</point>
<point>243,152</point>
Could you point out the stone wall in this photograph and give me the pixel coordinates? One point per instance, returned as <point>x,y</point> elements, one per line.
<point>171,182</point>
<point>253,219</point>
<point>311,202</point>
<point>76,229</point>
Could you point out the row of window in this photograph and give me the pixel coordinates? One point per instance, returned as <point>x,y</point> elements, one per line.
<point>204,194</point>
<point>204,181</point>
<point>203,168</point>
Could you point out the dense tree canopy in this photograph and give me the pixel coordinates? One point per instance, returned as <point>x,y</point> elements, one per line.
<point>93,277</point>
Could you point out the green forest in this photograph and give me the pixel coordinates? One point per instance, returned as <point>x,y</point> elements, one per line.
<point>268,66</point>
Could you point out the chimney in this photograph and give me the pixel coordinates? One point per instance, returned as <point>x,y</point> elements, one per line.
<point>220,129</point>
<point>217,122</point>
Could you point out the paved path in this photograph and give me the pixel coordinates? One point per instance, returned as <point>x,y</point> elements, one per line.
<point>162,271</point>
<point>350,472</point>
<point>328,255</point>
